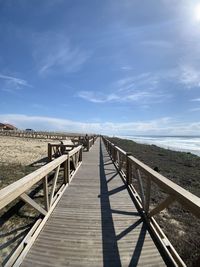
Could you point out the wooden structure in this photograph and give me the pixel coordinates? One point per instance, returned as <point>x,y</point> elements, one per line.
<point>56,150</point>
<point>44,135</point>
<point>95,223</point>
<point>100,220</point>
<point>129,168</point>
<point>7,127</point>
<point>59,167</point>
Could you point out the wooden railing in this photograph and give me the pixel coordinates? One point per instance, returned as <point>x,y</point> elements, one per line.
<point>87,142</point>
<point>62,169</point>
<point>131,169</point>
<point>36,134</point>
<point>57,150</point>
<point>42,135</point>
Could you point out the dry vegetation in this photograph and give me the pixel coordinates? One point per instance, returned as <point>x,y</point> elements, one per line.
<point>182,229</point>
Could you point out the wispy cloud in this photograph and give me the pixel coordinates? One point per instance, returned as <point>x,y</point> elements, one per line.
<point>97,98</point>
<point>142,88</point>
<point>10,83</point>
<point>195,99</point>
<point>194,109</point>
<point>114,97</point>
<point>39,106</point>
<point>126,68</point>
<point>156,126</point>
<point>157,44</point>
<point>139,82</point>
<point>55,53</point>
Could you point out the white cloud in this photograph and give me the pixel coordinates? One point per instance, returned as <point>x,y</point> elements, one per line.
<point>158,126</point>
<point>189,76</point>
<point>10,84</point>
<point>54,52</point>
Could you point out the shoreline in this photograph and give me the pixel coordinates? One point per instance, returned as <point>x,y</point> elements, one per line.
<point>161,141</point>
<point>181,167</point>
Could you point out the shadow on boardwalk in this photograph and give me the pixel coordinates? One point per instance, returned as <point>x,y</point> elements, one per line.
<point>111,254</point>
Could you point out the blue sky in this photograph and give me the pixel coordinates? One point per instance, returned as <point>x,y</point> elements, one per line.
<point>114,67</point>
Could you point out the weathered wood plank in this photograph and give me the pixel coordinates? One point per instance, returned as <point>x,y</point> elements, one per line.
<point>95,223</point>
<point>33,204</point>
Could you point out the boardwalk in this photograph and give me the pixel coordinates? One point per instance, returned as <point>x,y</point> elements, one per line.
<point>95,223</point>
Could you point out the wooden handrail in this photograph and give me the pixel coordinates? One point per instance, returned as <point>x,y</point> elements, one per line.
<point>68,164</point>
<point>42,134</point>
<point>56,150</point>
<point>187,199</point>
<point>129,167</point>
<point>183,196</point>
<point>14,190</point>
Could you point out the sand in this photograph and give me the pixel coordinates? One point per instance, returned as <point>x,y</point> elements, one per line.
<point>22,151</point>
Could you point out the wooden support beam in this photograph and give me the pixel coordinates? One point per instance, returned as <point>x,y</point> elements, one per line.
<point>141,188</point>
<point>65,172</point>
<point>33,204</point>
<point>81,154</point>
<point>46,192</point>
<point>128,168</point>
<point>68,170</point>
<point>54,186</point>
<point>147,195</point>
<point>161,206</point>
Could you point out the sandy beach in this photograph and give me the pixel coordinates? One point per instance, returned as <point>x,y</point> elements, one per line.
<point>17,156</point>
<point>22,151</point>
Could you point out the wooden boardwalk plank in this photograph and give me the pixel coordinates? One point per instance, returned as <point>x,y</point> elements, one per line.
<point>95,223</point>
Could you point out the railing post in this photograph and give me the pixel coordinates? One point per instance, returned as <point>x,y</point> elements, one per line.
<point>66,180</point>
<point>81,154</point>
<point>128,168</point>
<point>68,169</point>
<point>46,192</point>
<point>88,144</point>
<point>49,152</point>
<point>114,154</point>
<point>119,161</point>
<point>141,188</point>
<point>147,195</point>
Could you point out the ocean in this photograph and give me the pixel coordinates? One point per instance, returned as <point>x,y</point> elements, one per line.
<point>177,143</point>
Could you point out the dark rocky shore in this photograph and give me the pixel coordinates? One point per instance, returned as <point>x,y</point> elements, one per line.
<point>182,229</point>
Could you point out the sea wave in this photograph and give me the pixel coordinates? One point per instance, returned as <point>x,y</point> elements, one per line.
<point>177,143</point>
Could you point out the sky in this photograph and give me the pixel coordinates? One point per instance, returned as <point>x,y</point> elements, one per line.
<point>116,67</point>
